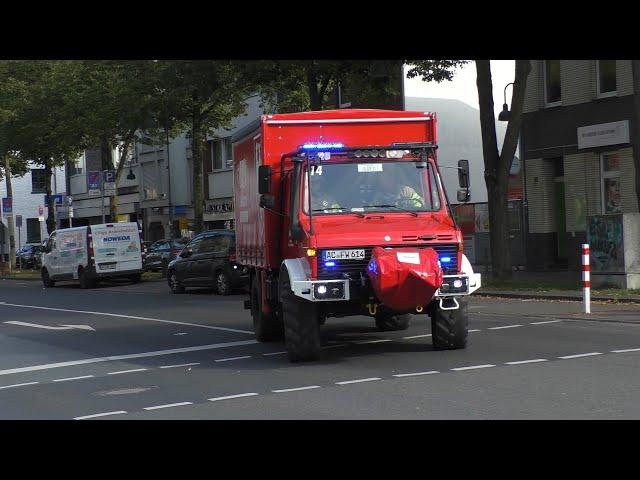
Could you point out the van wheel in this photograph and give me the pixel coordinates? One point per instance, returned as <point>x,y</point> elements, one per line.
<point>449,327</point>
<point>85,280</point>
<point>135,278</point>
<point>46,280</point>
<point>268,328</point>
<point>174,283</point>
<point>223,283</point>
<point>301,326</point>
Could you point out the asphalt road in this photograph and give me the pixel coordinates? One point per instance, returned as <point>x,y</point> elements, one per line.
<point>138,352</point>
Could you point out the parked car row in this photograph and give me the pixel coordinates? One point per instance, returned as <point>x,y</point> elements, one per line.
<point>88,254</point>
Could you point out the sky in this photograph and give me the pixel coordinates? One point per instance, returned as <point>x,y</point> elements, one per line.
<point>463,86</point>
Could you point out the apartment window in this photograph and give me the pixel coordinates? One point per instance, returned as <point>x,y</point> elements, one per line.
<point>76,167</point>
<point>38,180</point>
<point>610,174</point>
<point>552,87</point>
<point>33,230</point>
<point>606,77</point>
<point>221,154</point>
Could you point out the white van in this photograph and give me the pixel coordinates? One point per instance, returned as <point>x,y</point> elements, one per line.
<point>90,253</point>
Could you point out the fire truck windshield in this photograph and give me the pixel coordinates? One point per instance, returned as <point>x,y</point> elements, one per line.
<point>372,186</point>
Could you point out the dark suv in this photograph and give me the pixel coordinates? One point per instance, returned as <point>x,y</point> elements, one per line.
<point>208,261</point>
<point>160,253</point>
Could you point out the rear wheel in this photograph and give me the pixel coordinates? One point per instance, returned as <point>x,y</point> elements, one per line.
<point>449,327</point>
<point>174,283</point>
<point>388,323</point>
<point>135,278</point>
<point>46,280</point>
<point>301,326</point>
<point>267,327</point>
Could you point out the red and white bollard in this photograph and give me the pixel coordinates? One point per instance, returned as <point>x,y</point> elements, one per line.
<point>586,278</point>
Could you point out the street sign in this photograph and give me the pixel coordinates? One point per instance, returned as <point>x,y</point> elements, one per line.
<point>109,176</point>
<point>41,213</point>
<point>7,205</point>
<point>109,189</point>
<point>70,211</point>
<point>18,221</point>
<point>94,182</point>
<point>58,200</point>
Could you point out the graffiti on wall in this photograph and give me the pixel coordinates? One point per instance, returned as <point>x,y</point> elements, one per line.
<point>606,243</point>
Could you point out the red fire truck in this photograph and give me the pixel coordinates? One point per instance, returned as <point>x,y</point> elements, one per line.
<point>343,212</point>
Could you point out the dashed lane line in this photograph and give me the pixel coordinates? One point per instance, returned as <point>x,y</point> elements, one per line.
<point>73,378</point>
<point>296,389</point>
<point>19,385</point>
<point>591,354</point>
<point>503,327</point>
<point>181,365</point>
<point>117,315</point>
<point>361,380</point>
<point>415,374</point>
<point>626,350</point>
<point>472,367</point>
<point>233,358</point>
<point>128,371</point>
<point>169,405</point>
<point>474,330</point>
<point>547,321</point>
<point>229,397</point>
<point>96,415</point>
<point>274,353</point>
<point>364,342</point>
<point>416,336</point>
<point>521,362</point>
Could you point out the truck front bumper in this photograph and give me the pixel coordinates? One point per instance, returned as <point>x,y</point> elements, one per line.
<point>322,290</point>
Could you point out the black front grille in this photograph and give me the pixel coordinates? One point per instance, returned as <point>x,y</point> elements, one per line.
<point>352,268</point>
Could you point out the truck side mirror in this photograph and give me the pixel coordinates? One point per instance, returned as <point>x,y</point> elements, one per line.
<point>267,200</point>
<point>464,195</point>
<point>264,179</point>
<point>463,173</point>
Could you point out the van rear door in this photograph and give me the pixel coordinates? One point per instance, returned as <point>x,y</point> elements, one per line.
<point>116,247</point>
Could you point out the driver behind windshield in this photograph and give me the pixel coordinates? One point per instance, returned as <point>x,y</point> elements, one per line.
<point>323,195</point>
<point>398,193</point>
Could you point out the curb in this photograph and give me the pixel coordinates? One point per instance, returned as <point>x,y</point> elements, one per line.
<point>574,298</point>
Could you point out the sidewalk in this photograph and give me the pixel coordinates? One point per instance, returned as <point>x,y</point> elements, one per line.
<point>552,285</point>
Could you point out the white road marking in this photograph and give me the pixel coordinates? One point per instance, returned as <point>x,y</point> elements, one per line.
<point>117,315</point>
<point>181,333</point>
<point>581,355</point>
<point>548,321</point>
<point>474,330</point>
<point>416,336</point>
<point>431,372</point>
<point>19,385</point>
<point>473,367</point>
<point>181,365</point>
<point>129,371</point>
<point>73,378</point>
<point>295,389</point>
<point>362,342</point>
<point>372,379</point>
<point>232,358</point>
<point>156,353</point>
<point>506,326</point>
<point>626,350</point>
<point>157,407</point>
<point>273,353</point>
<point>49,327</point>
<point>336,346</point>
<point>535,360</point>
<point>215,399</point>
<point>100,415</point>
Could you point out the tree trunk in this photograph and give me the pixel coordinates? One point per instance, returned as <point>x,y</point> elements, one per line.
<point>196,153</point>
<point>635,130</point>
<point>10,218</point>
<point>312,85</point>
<point>124,150</point>
<point>51,208</point>
<point>497,166</point>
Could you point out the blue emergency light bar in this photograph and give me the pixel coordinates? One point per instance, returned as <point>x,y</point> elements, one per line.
<point>445,259</point>
<point>321,146</point>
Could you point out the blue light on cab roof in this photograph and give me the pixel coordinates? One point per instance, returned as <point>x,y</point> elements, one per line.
<point>318,146</point>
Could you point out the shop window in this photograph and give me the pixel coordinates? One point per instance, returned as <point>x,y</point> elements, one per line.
<point>606,77</point>
<point>552,86</point>
<point>610,165</point>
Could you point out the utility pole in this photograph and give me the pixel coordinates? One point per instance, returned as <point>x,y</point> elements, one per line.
<point>10,218</point>
<point>166,131</point>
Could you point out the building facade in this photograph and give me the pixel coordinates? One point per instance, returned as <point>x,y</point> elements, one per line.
<point>578,153</point>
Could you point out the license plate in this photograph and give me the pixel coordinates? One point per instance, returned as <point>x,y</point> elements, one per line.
<point>107,266</point>
<point>344,254</point>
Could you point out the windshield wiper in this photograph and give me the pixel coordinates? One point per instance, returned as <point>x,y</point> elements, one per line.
<point>338,208</point>
<point>392,206</point>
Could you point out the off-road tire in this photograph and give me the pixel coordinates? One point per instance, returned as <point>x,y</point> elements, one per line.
<point>449,327</point>
<point>85,280</point>
<point>222,283</point>
<point>301,326</point>
<point>390,323</point>
<point>174,283</point>
<point>267,327</point>
<point>46,280</point>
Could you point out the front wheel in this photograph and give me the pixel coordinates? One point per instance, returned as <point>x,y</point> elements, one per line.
<point>174,283</point>
<point>301,326</point>
<point>449,327</point>
<point>223,283</point>
<point>85,280</point>
<point>46,280</point>
<point>267,327</point>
